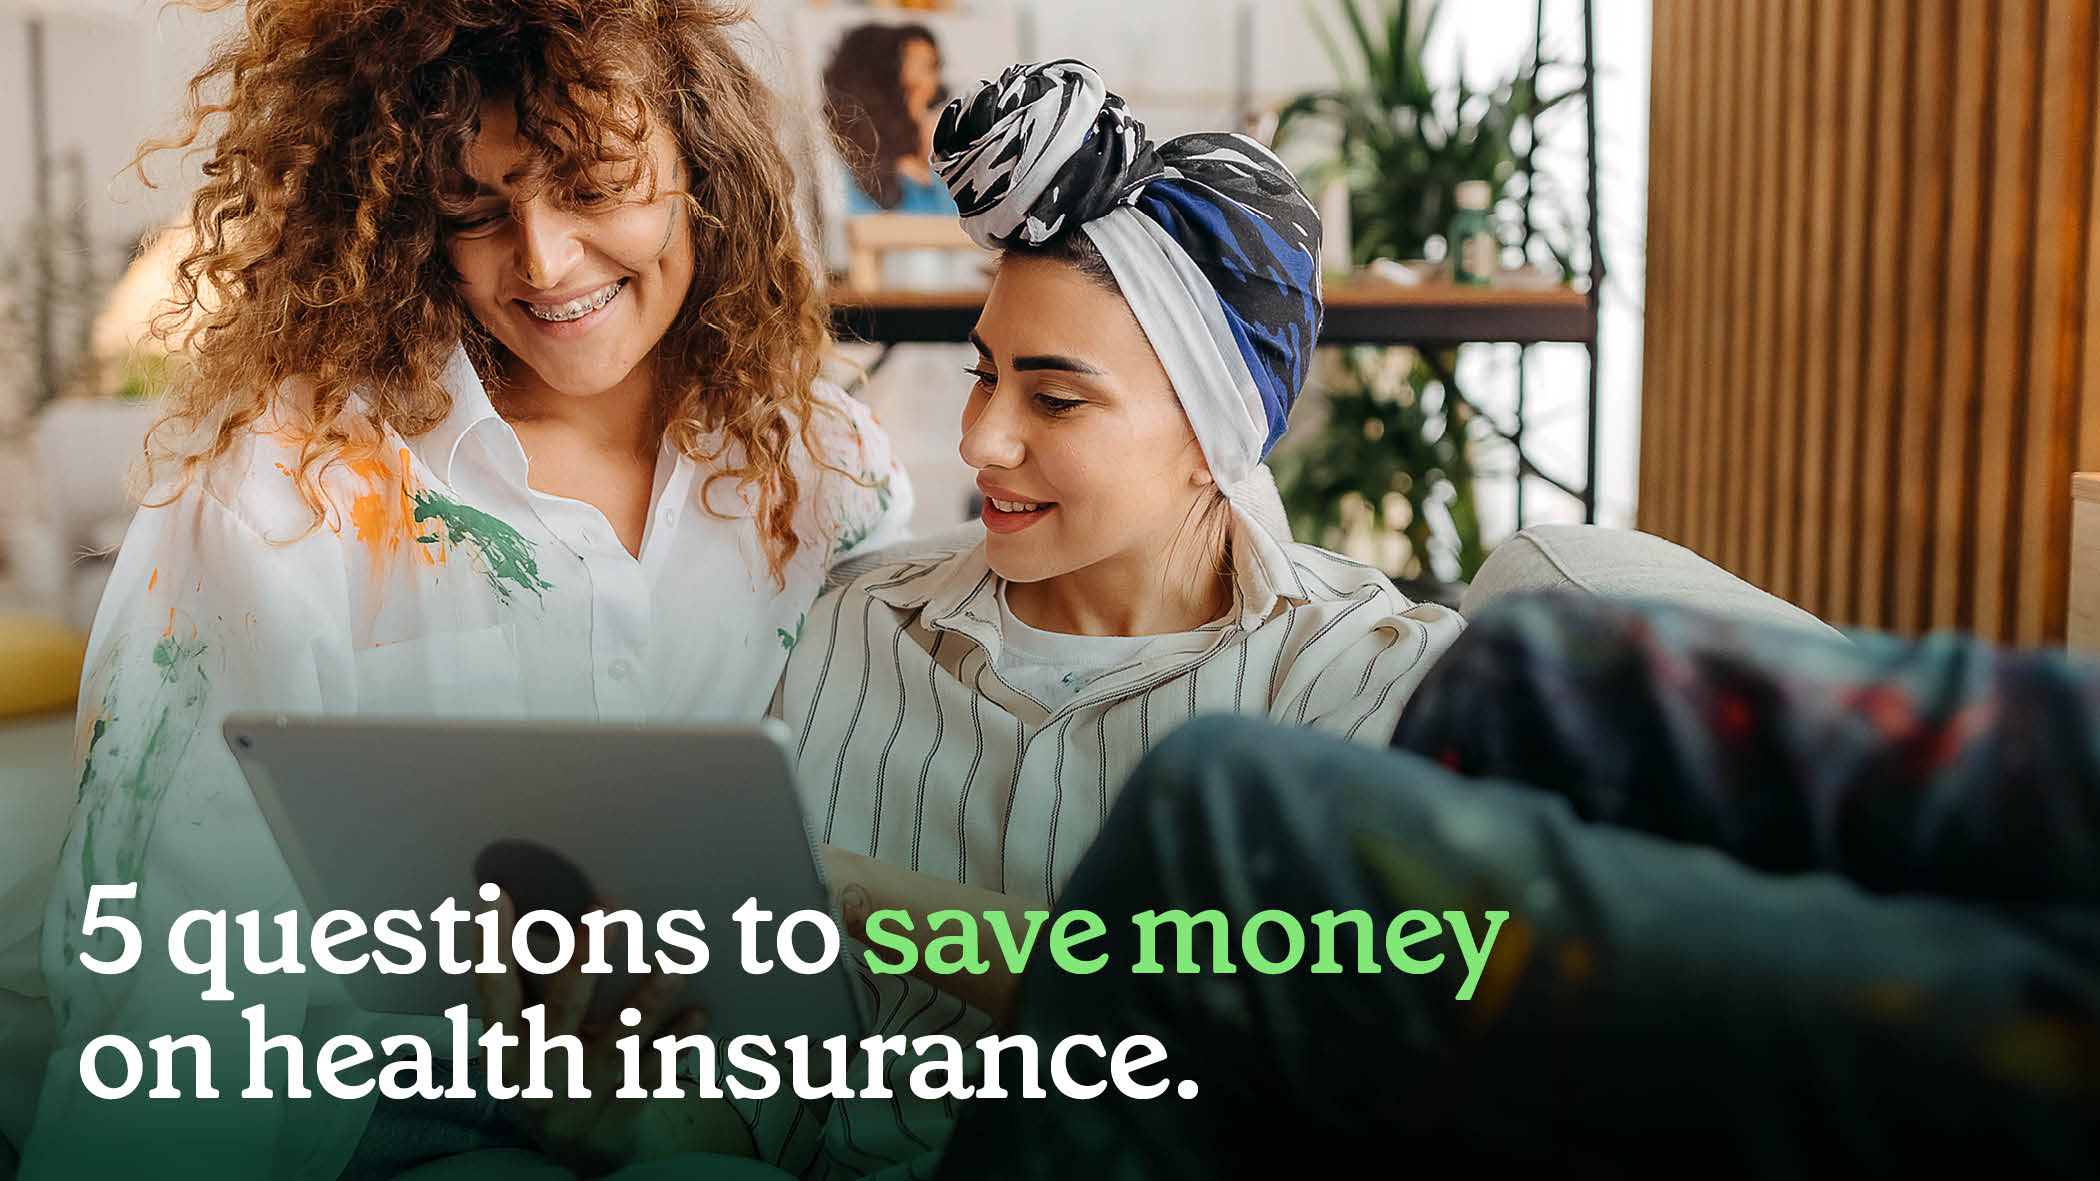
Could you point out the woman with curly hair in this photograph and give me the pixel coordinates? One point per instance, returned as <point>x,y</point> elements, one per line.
<point>504,400</point>
<point>882,93</point>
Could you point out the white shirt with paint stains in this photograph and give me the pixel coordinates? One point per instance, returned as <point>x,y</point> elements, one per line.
<point>439,584</point>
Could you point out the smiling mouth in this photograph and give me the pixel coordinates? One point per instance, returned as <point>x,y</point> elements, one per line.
<point>577,309</point>
<point>1001,515</point>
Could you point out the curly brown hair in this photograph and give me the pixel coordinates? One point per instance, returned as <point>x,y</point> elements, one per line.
<point>336,166</point>
<point>864,102</point>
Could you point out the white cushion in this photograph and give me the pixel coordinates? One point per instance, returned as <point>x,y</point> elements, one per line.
<point>1626,565</point>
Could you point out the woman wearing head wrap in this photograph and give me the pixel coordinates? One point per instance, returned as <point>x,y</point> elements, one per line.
<point>966,710</point>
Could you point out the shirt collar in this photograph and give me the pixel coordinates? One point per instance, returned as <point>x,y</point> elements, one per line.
<point>471,410</point>
<point>961,593</point>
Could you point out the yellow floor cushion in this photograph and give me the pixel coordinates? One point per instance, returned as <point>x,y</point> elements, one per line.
<point>39,665</point>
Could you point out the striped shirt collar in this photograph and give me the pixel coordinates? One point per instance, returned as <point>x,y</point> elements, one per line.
<point>959,592</point>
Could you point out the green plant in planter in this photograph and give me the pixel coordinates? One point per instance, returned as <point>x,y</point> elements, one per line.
<point>1390,432</point>
<point>1403,146</point>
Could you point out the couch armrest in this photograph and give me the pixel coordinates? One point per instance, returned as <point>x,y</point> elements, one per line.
<point>1626,565</point>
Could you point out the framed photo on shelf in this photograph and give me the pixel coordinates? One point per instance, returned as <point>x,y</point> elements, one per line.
<point>876,78</point>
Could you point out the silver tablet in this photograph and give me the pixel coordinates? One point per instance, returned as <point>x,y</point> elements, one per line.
<point>381,815</point>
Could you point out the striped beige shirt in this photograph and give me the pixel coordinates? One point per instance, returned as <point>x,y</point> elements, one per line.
<point>914,751</point>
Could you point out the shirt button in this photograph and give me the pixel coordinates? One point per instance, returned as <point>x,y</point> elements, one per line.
<point>618,670</point>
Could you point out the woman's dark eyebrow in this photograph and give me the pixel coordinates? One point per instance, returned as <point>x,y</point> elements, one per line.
<point>1055,361</point>
<point>1061,363</point>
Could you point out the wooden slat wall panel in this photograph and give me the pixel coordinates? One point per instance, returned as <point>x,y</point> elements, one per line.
<point>1731,166</point>
<point>2063,224</point>
<point>1873,332</point>
<point>1949,545</point>
<point>1695,251</point>
<point>1855,155</point>
<point>1887,276</point>
<point>1701,499</point>
<point>1762,310</point>
<point>1782,498</point>
<point>1931,200</point>
<point>1819,285</point>
<point>1667,172</point>
<point>2009,263</point>
<point>2087,406</point>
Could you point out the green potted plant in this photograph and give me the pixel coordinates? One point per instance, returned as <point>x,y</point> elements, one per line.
<point>1395,440</point>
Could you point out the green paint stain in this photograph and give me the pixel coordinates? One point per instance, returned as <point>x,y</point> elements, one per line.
<point>127,773</point>
<point>172,657</point>
<point>87,765</point>
<point>105,719</point>
<point>862,530</point>
<point>787,640</point>
<point>506,558</point>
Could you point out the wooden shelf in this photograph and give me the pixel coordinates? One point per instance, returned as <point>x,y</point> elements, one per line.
<point>1359,311</point>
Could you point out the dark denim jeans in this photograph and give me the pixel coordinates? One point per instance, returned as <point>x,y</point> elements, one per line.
<point>1779,907</point>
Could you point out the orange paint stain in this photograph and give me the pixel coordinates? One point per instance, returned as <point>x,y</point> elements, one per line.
<point>153,582</point>
<point>375,513</point>
<point>383,516</point>
<point>170,629</point>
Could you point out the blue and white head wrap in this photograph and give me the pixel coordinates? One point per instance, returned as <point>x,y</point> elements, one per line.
<point>1213,244</point>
